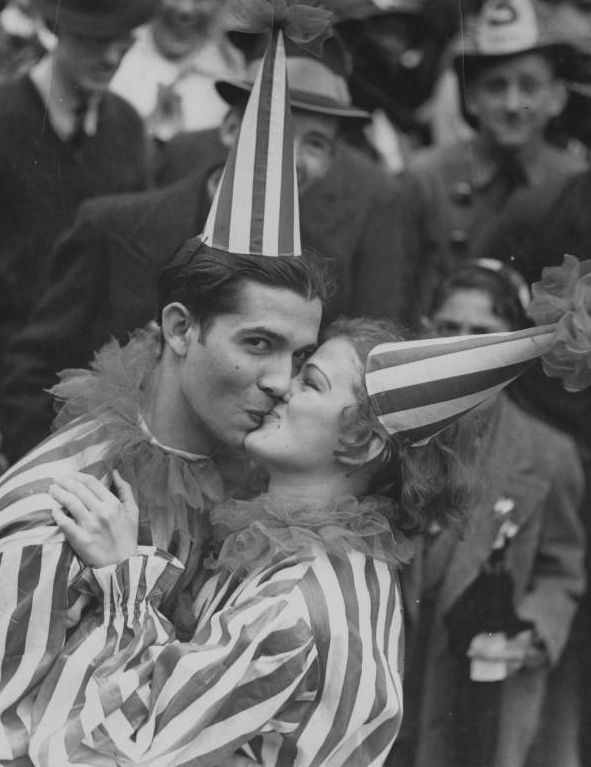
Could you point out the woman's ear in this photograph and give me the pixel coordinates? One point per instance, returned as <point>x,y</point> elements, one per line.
<point>177,324</point>
<point>356,457</point>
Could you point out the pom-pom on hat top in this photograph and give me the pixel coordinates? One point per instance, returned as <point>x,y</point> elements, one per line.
<point>255,210</point>
<point>99,19</point>
<point>510,27</point>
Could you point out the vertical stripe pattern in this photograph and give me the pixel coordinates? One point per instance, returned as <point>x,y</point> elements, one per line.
<point>37,571</point>
<point>255,209</point>
<point>417,388</point>
<point>298,663</point>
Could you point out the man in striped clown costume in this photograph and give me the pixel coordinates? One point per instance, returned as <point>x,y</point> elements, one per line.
<point>239,310</point>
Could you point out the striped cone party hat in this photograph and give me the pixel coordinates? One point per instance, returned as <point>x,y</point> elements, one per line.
<point>418,388</point>
<point>255,210</point>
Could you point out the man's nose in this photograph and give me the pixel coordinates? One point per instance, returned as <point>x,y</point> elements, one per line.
<point>513,98</point>
<point>277,379</point>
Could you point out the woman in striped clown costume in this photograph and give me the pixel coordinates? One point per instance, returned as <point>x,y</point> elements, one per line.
<point>296,651</point>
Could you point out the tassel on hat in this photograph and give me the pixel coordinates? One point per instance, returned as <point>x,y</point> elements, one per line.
<point>418,388</point>
<point>256,210</point>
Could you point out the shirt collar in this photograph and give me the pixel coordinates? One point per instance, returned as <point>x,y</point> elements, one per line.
<point>60,102</point>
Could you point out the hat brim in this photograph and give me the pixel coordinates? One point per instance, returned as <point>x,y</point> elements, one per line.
<point>100,25</point>
<point>233,91</point>
<point>462,61</point>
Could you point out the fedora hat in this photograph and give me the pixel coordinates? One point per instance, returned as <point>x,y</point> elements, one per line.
<point>316,85</point>
<point>99,19</point>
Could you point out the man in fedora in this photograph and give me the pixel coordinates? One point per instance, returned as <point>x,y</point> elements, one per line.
<point>511,63</point>
<point>63,139</point>
<point>102,277</point>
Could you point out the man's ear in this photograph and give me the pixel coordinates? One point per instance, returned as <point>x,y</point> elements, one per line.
<point>230,127</point>
<point>358,457</point>
<point>177,327</point>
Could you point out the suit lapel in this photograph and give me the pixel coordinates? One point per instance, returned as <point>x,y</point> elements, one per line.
<point>510,476</point>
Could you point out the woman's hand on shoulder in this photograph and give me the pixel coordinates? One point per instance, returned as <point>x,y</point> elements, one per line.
<point>101,527</point>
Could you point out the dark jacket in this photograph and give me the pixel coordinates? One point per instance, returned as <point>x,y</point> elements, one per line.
<point>539,470</point>
<point>43,180</point>
<point>458,195</point>
<point>102,277</point>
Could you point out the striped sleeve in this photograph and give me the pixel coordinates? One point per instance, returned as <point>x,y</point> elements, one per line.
<point>36,570</point>
<point>149,699</point>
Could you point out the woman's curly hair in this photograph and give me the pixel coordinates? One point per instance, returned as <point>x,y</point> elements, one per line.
<point>437,482</point>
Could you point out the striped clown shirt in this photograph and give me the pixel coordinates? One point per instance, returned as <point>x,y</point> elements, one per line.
<point>298,663</point>
<point>38,570</point>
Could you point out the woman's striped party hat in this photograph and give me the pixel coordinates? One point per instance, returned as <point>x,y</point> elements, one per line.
<point>255,210</point>
<point>418,388</point>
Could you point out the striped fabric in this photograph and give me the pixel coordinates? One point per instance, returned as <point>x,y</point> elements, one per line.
<point>37,570</point>
<point>296,664</point>
<point>256,209</point>
<point>417,388</point>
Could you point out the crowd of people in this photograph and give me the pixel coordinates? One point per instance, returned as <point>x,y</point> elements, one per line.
<point>413,595</point>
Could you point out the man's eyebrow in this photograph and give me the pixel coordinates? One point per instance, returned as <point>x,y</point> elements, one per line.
<point>320,372</point>
<point>261,330</point>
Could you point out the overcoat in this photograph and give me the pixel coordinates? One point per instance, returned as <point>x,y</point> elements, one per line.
<point>536,467</point>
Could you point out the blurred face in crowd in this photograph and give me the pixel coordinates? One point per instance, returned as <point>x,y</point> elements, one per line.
<point>182,24</point>
<point>89,64</point>
<point>514,100</point>
<point>467,311</point>
<point>315,136</point>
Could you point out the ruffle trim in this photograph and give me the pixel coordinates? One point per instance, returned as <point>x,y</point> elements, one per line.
<point>563,296</point>
<point>253,534</point>
<point>173,489</point>
<point>307,24</point>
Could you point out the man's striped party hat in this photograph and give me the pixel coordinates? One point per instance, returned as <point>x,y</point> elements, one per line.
<point>255,210</point>
<point>417,388</point>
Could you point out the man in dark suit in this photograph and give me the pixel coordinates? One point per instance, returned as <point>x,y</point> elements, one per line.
<point>102,276</point>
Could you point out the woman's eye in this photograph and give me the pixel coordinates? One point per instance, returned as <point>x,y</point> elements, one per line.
<point>309,382</point>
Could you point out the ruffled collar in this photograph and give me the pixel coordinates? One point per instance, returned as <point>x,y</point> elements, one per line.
<point>175,490</point>
<point>253,534</point>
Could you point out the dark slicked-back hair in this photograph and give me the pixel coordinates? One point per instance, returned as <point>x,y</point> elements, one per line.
<point>209,281</point>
